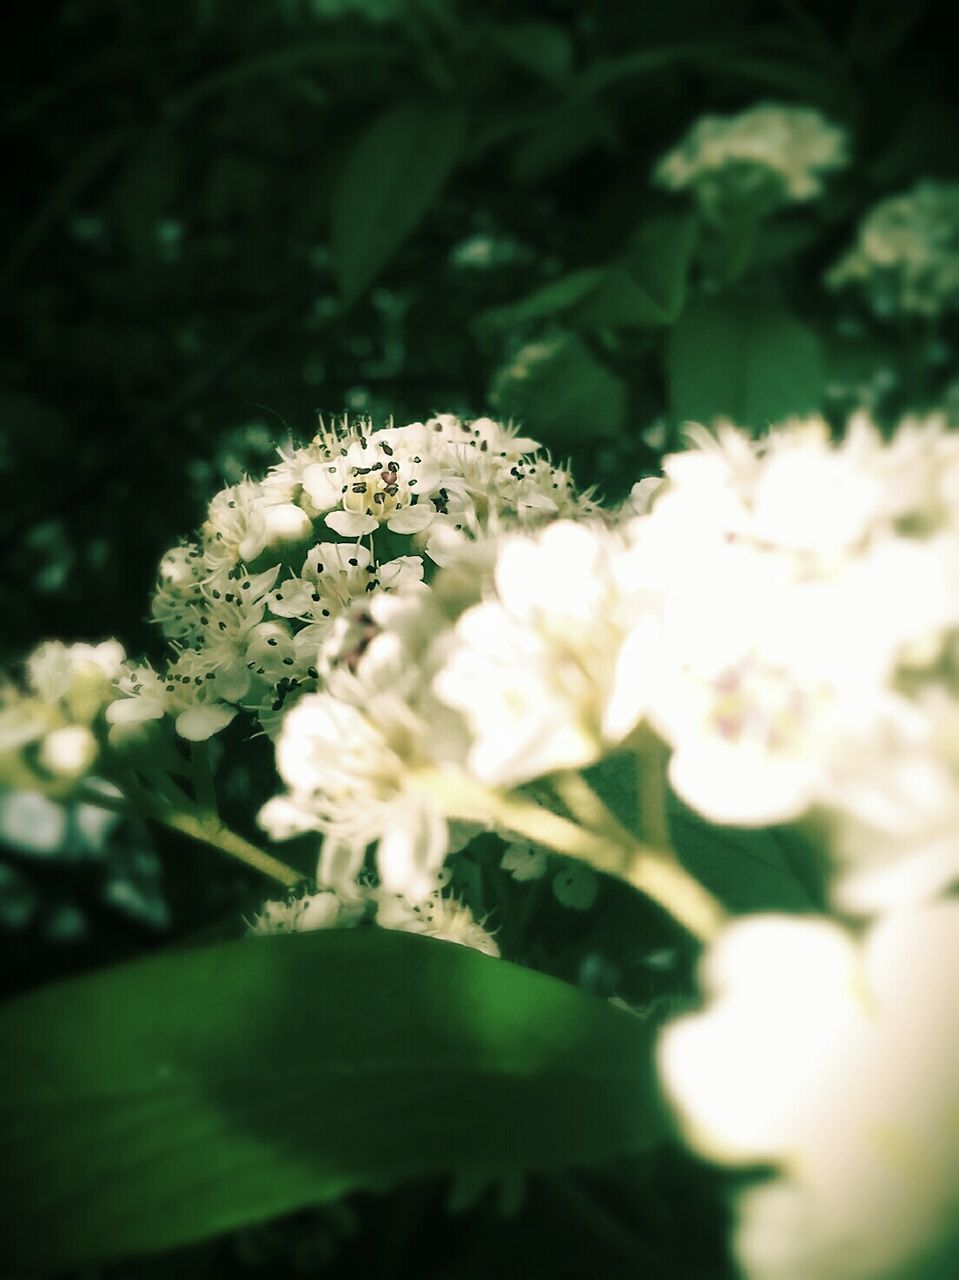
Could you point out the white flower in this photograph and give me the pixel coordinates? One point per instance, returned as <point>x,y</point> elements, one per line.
<point>559,662</point>
<point>388,477</point>
<point>435,916</point>
<point>145,695</point>
<point>894,807</point>
<point>69,752</point>
<point>836,1060</point>
<point>324,909</point>
<point>354,770</point>
<point>235,529</point>
<point>770,154</point>
<point>801,579</point>
<point>77,676</point>
<point>906,257</point>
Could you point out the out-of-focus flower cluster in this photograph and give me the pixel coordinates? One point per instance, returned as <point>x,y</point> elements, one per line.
<point>753,162</point>
<point>56,719</point>
<point>906,257</point>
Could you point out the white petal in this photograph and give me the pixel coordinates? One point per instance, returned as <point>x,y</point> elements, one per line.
<point>198,723</point>
<point>350,524</point>
<point>411,519</point>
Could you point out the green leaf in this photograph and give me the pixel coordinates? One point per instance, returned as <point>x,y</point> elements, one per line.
<point>646,288</point>
<point>658,256</point>
<point>193,1092</point>
<point>745,360</point>
<point>540,47</point>
<point>391,178</point>
<point>773,869</point>
<point>546,303</point>
<point>559,139</point>
<point>560,391</point>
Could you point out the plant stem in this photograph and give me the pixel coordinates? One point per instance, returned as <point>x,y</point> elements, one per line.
<point>654,872</point>
<point>207,828</point>
<point>652,758</point>
<point>210,830</point>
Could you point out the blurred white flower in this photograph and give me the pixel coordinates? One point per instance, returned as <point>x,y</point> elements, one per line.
<point>559,662</point>
<point>906,256</point>
<point>803,581</point>
<point>69,752</point>
<point>837,1061</point>
<point>352,775</point>
<point>770,154</point>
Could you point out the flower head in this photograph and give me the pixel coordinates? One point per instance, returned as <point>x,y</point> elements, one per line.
<point>769,155</point>
<point>837,1061</point>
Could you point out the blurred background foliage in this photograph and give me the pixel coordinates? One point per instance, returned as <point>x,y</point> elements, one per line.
<point>227,216</point>
<point>230,216</point>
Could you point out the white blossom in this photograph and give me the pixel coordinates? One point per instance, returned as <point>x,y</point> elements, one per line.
<point>837,1061</point>
<point>557,662</point>
<point>803,581</point>
<point>352,772</point>
<point>906,255</point>
<point>770,154</point>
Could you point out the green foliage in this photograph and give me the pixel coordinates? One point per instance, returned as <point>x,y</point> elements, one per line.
<point>774,869</point>
<point>391,178</point>
<point>751,362</point>
<point>558,388</point>
<point>200,1090</point>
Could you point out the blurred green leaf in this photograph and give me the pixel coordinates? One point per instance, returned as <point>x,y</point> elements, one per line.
<point>198,1091</point>
<point>657,257</point>
<point>554,142</point>
<point>645,288</point>
<point>773,869</point>
<point>540,47</point>
<point>746,360</point>
<point>546,303</point>
<point>390,180</point>
<point>559,391</point>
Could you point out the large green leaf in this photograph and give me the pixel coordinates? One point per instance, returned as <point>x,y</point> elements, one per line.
<point>389,181</point>
<point>193,1092</point>
<point>744,360</point>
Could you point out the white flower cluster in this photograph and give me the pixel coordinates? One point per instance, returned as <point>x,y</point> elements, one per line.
<point>794,665</point>
<point>58,716</point>
<point>784,615</point>
<point>248,607</point>
<point>438,915</point>
<point>769,155</point>
<point>906,256</point>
